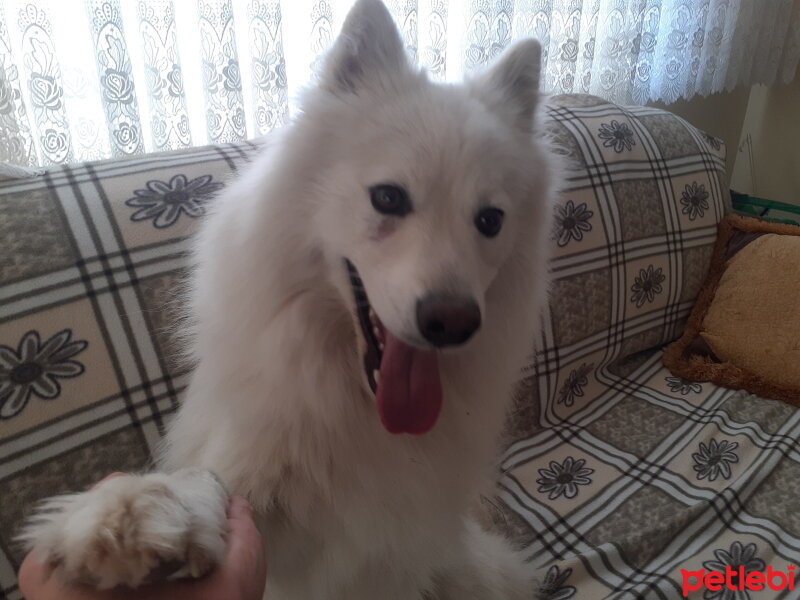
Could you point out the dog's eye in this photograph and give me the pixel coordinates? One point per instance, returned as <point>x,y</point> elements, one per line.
<point>390,200</point>
<point>489,221</point>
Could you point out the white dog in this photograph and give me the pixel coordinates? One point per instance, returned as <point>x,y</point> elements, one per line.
<point>364,298</point>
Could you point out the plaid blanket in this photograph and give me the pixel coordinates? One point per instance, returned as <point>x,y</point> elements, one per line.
<point>617,474</point>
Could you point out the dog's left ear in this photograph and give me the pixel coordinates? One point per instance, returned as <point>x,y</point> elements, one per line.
<point>368,54</point>
<point>510,87</point>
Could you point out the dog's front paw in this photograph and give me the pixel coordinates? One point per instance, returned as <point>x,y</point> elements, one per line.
<point>133,529</point>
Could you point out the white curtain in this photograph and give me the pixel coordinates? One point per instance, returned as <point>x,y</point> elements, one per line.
<point>89,79</point>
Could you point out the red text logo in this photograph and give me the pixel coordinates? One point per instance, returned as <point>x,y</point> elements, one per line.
<point>737,580</point>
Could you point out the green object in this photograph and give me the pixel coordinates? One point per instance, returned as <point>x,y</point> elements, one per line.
<point>769,210</point>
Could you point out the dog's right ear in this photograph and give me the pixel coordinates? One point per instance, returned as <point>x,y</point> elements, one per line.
<point>368,54</point>
<point>510,87</point>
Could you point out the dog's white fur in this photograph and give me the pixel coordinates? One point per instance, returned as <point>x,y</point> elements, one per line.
<point>278,407</point>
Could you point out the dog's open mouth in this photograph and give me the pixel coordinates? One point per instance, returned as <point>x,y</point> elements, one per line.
<point>371,328</point>
<point>404,379</point>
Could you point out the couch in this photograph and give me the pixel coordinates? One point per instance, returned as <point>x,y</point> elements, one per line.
<point>616,474</point>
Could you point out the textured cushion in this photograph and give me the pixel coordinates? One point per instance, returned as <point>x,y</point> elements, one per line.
<point>754,319</point>
<point>745,328</point>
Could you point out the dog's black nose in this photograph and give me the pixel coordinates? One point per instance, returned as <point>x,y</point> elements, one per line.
<point>447,320</point>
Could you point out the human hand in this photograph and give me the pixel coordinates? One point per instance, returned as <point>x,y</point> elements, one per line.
<point>242,576</point>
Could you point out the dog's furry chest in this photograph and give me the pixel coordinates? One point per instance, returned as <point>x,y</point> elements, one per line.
<point>376,510</point>
<point>379,531</point>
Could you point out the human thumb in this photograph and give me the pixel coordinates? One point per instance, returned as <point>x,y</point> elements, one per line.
<point>245,559</point>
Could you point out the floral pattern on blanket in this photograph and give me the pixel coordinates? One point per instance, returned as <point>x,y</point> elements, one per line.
<point>35,367</point>
<point>164,201</point>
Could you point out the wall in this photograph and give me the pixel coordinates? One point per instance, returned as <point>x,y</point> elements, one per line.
<point>773,123</point>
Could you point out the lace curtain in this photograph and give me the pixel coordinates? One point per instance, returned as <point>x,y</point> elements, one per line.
<point>89,79</point>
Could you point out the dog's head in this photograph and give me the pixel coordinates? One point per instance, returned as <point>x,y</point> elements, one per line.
<point>428,190</point>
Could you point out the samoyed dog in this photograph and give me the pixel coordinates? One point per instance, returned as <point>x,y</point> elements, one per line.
<point>364,298</point>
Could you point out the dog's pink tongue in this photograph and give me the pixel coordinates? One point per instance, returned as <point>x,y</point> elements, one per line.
<point>409,390</point>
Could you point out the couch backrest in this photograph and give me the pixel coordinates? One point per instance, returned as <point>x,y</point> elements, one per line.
<point>634,230</point>
<point>634,226</point>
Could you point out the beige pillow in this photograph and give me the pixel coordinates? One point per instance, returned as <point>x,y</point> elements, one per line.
<point>744,332</point>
